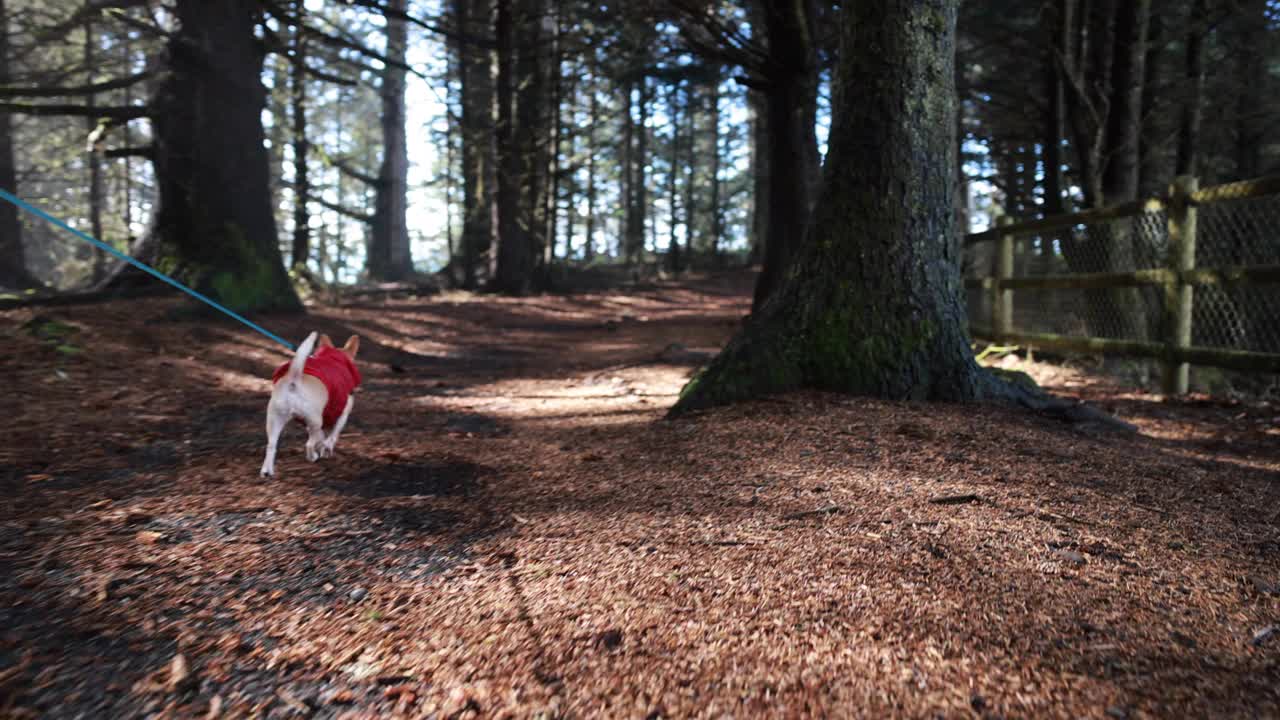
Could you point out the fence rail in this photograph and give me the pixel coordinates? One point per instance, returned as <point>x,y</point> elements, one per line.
<point>1123,280</point>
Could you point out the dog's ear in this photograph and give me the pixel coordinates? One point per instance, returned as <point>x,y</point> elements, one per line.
<point>325,341</point>
<point>353,346</point>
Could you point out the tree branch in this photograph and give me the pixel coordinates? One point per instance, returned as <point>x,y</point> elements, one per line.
<point>146,151</point>
<point>346,211</point>
<point>124,112</point>
<point>85,14</point>
<point>336,41</point>
<point>94,89</point>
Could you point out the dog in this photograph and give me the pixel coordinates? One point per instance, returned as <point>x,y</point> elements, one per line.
<point>316,389</point>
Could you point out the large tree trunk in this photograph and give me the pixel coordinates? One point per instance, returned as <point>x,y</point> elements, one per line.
<point>791,106</point>
<point>214,218</point>
<point>390,257</point>
<point>474,18</point>
<point>13,266</point>
<point>874,305</point>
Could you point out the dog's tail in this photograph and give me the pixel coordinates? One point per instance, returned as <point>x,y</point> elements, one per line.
<point>300,359</point>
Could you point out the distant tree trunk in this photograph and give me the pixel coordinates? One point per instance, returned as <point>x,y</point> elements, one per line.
<point>1153,177</point>
<point>450,169</point>
<point>1058,25</point>
<point>551,201</point>
<point>638,202</point>
<point>761,142</point>
<point>92,159</point>
<point>690,201</point>
<point>1250,114</point>
<point>514,266</point>
<point>474,19</point>
<point>390,257</point>
<point>126,183</point>
<point>791,102</point>
<point>1124,116</point>
<point>717,213</point>
<point>589,249</point>
<point>874,304</point>
<point>13,265</point>
<point>214,216</point>
<point>1089,60</point>
<point>1189,123</point>
<point>1120,180</point>
<point>673,161</point>
<point>301,250</point>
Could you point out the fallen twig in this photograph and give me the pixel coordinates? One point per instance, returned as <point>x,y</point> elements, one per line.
<point>954,499</point>
<point>824,510</point>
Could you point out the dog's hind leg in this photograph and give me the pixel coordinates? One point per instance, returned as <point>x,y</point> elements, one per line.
<point>275,426</point>
<point>315,439</point>
<point>332,441</point>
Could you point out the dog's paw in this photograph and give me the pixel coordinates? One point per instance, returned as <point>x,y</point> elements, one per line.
<point>326,450</point>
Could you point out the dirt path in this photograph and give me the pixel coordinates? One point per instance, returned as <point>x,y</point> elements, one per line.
<point>510,529</point>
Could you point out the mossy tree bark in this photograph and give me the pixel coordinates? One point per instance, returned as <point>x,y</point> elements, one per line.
<point>872,304</point>
<point>214,225</point>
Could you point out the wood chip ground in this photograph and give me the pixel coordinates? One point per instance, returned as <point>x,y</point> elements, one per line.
<point>511,529</point>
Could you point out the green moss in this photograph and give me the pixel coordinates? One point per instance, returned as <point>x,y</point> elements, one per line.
<point>244,281</point>
<point>839,357</point>
<point>47,329</point>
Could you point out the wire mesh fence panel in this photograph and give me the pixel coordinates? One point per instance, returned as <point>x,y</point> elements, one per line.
<point>1132,313</point>
<point>1238,232</point>
<point>1109,278</point>
<point>1230,233</point>
<point>1121,245</point>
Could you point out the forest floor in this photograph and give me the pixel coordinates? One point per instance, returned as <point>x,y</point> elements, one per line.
<point>511,529</point>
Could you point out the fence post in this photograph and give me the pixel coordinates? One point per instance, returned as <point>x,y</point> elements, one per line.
<point>1002,300</point>
<point>1179,295</point>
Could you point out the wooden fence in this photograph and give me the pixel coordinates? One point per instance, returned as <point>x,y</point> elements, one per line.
<point>1177,280</point>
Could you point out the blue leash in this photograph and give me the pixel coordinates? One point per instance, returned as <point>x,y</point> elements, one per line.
<point>5,194</point>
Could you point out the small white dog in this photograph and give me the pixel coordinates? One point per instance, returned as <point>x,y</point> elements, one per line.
<point>316,389</point>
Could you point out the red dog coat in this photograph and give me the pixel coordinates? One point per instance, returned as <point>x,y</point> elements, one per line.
<point>337,372</point>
